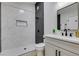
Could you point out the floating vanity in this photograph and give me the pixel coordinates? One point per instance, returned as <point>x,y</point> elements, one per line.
<point>56,45</point>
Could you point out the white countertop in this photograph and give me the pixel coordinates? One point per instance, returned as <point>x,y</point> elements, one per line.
<point>63,38</point>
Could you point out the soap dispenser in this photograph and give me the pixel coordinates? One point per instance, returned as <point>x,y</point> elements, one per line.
<point>54,31</point>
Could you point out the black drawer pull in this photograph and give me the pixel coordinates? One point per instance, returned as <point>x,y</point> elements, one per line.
<point>56,53</point>
<point>59,53</point>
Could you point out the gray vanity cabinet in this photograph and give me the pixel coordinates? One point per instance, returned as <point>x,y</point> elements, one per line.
<point>57,47</point>
<point>51,50</point>
<point>66,53</point>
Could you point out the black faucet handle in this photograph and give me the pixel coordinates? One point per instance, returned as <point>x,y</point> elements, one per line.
<point>65,29</point>
<point>69,29</point>
<point>71,34</point>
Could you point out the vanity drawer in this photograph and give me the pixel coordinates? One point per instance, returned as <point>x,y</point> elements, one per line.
<point>71,47</point>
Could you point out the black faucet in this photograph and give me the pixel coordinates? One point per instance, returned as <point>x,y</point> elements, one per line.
<point>65,32</point>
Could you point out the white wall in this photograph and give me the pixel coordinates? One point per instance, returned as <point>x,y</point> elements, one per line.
<point>50,15</point>
<point>13,36</point>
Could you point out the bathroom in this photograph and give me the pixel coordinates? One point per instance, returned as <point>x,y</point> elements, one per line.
<point>38,29</point>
